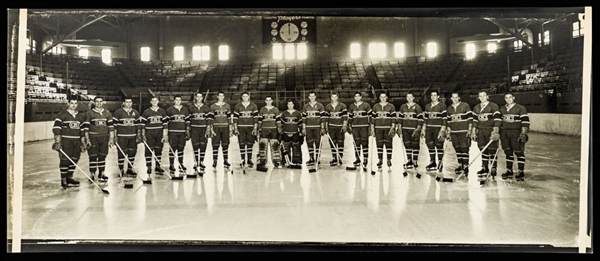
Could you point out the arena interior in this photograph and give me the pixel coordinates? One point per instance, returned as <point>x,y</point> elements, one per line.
<point>536,53</point>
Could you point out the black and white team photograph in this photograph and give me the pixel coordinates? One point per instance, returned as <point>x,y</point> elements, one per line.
<point>382,129</point>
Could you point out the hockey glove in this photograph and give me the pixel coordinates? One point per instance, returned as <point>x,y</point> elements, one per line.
<point>344,128</point>
<point>83,145</point>
<point>523,138</point>
<point>391,133</point>
<point>165,139</point>
<point>441,135</point>
<point>474,135</point>
<point>323,131</point>
<point>111,142</point>
<point>495,135</point>
<point>138,139</point>
<point>254,132</point>
<point>57,146</point>
<point>415,133</point>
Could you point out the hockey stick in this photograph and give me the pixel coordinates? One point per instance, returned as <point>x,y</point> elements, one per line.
<point>88,176</point>
<point>337,151</point>
<point>176,159</point>
<point>354,144</point>
<point>372,155</point>
<point>154,156</point>
<point>482,182</point>
<point>480,152</point>
<point>148,181</point>
<point>316,166</point>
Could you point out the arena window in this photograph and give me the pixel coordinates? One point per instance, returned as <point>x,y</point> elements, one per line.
<point>355,51</point>
<point>277,51</point>
<point>546,38</point>
<point>83,53</point>
<point>145,53</point>
<point>302,51</point>
<point>577,29</point>
<point>201,53</point>
<point>377,50</point>
<point>431,50</point>
<point>223,53</point>
<point>471,51</point>
<point>492,47</point>
<point>178,53</point>
<point>399,50</point>
<point>517,45</point>
<point>106,56</point>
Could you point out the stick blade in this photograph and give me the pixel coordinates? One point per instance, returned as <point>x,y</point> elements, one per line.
<point>128,186</point>
<point>447,180</point>
<point>350,168</point>
<point>105,191</point>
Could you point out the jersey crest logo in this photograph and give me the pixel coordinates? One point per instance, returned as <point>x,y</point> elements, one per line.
<point>311,113</point>
<point>482,117</point>
<point>178,118</point>
<point>246,114</point>
<point>221,113</point>
<point>382,114</point>
<point>334,114</point>
<point>74,125</point>
<point>434,115</point>
<point>155,120</point>
<point>456,117</point>
<point>269,116</point>
<point>199,116</point>
<point>100,123</point>
<point>127,121</point>
<point>509,118</point>
<point>409,115</point>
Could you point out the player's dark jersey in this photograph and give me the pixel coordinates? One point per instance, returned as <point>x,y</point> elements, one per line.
<point>459,117</point>
<point>486,116</point>
<point>434,114</point>
<point>199,115</point>
<point>220,115</point>
<point>154,119</point>
<point>382,116</point>
<point>178,119</point>
<point>290,121</point>
<point>245,116</point>
<point>126,122</point>
<point>267,117</point>
<point>312,114</point>
<point>69,126</point>
<point>335,116</point>
<point>410,116</point>
<point>98,122</point>
<point>359,114</point>
<point>515,117</point>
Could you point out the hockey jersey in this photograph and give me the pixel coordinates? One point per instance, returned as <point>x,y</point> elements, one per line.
<point>312,114</point>
<point>69,126</point>
<point>359,115</point>
<point>434,114</point>
<point>126,122</point>
<point>267,118</point>
<point>486,116</point>
<point>199,115</point>
<point>459,117</point>
<point>245,116</point>
<point>382,116</point>
<point>154,119</point>
<point>335,116</point>
<point>410,116</point>
<point>98,122</point>
<point>220,115</point>
<point>290,121</point>
<point>515,117</point>
<point>177,119</point>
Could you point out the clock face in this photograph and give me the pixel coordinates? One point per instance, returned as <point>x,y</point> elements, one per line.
<point>274,25</point>
<point>289,32</point>
<point>304,32</point>
<point>304,24</point>
<point>274,32</point>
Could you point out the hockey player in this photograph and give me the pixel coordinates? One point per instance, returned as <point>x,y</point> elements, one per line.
<point>154,132</point>
<point>383,127</point>
<point>128,132</point>
<point>245,121</point>
<point>336,126</point>
<point>267,131</point>
<point>359,118</point>
<point>433,131</point>
<point>99,135</point>
<point>178,126</point>
<point>221,128</point>
<point>199,130</point>
<point>515,127</point>
<point>459,126</point>
<point>486,127</point>
<point>69,127</point>
<point>289,126</point>
<point>313,126</point>
<point>409,124</point>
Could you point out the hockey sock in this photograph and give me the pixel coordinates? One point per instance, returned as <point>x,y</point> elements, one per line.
<point>93,163</point>
<point>101,162</point>
<point>520,160</point>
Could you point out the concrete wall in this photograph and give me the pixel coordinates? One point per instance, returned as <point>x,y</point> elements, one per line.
<point>569,124</point>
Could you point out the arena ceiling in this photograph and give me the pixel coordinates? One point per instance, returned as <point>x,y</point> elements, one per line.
<point>68,21</point>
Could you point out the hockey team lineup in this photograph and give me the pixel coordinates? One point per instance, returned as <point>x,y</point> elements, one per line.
<point>286,137</point>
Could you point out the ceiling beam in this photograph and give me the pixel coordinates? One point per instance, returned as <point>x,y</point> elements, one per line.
<point>513,32</point>
<point>72,33</point>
